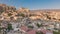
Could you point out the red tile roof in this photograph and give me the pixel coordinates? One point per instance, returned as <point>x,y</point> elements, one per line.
<point>25,28</point>
<point>31,32</point>
<point>46,31</point>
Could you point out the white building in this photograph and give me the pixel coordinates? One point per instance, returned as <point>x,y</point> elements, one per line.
<point>15,26</point>
<point>57,26</point>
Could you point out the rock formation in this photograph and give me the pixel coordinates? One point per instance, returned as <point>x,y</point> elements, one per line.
<point>11,13</point>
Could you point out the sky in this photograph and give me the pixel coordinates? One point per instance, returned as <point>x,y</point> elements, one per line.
<point>33,4</point>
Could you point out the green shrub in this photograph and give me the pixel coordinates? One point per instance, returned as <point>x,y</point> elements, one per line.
<point>0,29</point>
<point>30,26</point>
<point>9,26</point>
<point>9,14</point>
<point>1,11</point>
<point>39,32</point>
<point>21,14</point>
<point>39,25</point>
<point>56,32</point>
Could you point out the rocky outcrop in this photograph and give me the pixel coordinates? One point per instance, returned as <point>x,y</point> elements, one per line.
<point>6,11</point>
<point>11,13</point>
<point>47,14</point>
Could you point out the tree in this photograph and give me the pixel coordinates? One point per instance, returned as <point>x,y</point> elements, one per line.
<point>20,14</point>
<point>39,25</point>
<point>30,26</point>
<point>9,26</point>
<point>56,32</point>
<point>9,14</point>
<point>0,27</point>
<point>1,11</point>
<point>39,32</point>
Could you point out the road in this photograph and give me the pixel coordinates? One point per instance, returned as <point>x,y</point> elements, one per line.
<point>13,33</point>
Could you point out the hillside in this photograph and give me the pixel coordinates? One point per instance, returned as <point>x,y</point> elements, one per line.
<point>11,13</point>
<point>52,14</point>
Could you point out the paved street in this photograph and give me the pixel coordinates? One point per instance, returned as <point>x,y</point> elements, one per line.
<point>13,33</point>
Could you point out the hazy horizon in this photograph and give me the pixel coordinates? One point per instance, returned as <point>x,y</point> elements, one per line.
<point>33,4</point>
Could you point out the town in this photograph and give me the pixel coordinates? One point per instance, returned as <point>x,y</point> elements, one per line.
<point>25,21</point>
